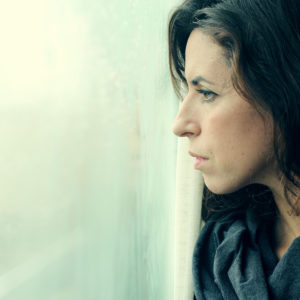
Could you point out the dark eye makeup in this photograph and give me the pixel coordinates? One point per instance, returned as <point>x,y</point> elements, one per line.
<point>208,95</point>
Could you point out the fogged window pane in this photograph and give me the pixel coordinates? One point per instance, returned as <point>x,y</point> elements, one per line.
<point>87,153</point>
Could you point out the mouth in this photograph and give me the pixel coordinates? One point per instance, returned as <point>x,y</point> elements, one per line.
<point>199,161</point>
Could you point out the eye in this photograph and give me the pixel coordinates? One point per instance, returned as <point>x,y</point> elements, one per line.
<point>208,96</point>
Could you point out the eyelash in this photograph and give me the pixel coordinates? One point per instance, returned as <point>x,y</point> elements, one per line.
<point>207,93</point>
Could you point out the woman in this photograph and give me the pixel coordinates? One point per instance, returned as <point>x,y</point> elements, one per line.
<point>239,61</point>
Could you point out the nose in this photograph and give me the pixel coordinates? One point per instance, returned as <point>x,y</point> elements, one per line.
<point>186,123</point>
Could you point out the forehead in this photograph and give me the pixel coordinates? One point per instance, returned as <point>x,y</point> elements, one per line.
<point>204,57</point>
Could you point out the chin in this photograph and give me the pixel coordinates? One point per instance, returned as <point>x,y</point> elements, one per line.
<point>221,188</point>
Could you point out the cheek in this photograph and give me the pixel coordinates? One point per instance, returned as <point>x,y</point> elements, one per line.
<point>239,136</point>
<point>240,143</point>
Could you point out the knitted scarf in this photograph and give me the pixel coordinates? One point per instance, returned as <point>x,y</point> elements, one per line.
<point>234,259</point>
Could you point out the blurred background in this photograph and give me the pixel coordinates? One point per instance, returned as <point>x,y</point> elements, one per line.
<point>87,155</point>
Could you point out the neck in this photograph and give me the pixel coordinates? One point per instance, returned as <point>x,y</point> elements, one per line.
<point>287,226</point>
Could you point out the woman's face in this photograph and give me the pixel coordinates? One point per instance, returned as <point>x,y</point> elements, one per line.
<point>220,124</point>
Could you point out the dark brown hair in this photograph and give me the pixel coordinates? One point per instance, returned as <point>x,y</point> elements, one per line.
<point>261,42</point>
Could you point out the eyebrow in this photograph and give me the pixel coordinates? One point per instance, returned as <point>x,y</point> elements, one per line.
<point>198,79</point>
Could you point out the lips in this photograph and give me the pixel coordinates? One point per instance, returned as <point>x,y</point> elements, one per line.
<point>197,155</point>
<point>200,161</point>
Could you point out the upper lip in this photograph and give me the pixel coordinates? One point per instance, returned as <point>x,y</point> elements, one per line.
<point>196,155</point>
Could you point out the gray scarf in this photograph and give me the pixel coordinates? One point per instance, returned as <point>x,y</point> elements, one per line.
<point>234,259</point>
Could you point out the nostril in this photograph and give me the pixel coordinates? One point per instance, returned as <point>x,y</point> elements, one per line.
<point>187,134</point>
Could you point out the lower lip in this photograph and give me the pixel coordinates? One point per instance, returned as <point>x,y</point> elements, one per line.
<point>199,162</point>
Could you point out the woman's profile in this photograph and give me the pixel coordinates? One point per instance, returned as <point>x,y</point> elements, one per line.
<point>235,65</point>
